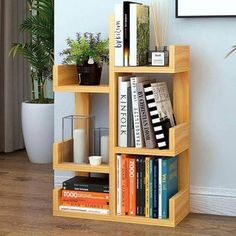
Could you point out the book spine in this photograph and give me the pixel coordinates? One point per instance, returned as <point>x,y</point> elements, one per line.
<point>119,44</point>
<point>132,186</point>
<point>148,132</point>
<point>151,188</point>
<point>118,184</point>
<point>164,189</point>
<point>74,195</point>
<point>86,187</point>
<point>84,210</point>
<point>147,159</point>
<point>142,187</point>
<point>160,188</point>
<point>133,35</point>
<point>126,20</point>
<point>129,117</point>
<point>138,186</point>
<point>160,136</point>
<point>127,187</point>
<point>155,188</point>
<point>92,204</point>
<point>123,184</point>
<point>138,135</point>
<point>122,115</point>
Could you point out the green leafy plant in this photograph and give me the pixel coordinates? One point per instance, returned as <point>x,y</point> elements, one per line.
<point>85,47</point>
<point>39,50</point>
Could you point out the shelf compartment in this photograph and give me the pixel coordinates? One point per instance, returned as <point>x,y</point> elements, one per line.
<point>65,80</point>
<point>178,142</point>
<point>58,164</point>
<point>179,208</point>
<point>178,62</point>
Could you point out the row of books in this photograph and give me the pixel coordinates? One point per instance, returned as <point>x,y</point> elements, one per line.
<point>85,195</point>
<point>145,185</point>
<point>131,34</point>
<point>145,113</point>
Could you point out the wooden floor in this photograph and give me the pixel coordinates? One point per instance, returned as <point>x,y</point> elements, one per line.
<point>26,209</point>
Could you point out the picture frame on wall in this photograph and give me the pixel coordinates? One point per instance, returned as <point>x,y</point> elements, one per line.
<point>205,8</point>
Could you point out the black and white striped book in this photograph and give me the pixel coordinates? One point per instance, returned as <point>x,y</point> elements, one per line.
<point>160,124</point>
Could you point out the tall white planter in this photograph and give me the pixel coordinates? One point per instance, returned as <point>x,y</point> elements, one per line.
<point>37,124</point>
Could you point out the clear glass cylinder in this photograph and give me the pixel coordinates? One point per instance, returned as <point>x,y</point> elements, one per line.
<point>77,138</point>
<point>101,143</point>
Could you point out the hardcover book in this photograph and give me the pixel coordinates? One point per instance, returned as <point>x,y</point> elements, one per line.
<point>138,132</point>
<point>124,84</point>
<point>119,39</point>
<point>88,184</point>
<point>132,186</point>
<point>147,186</point>
<point>139,35</point>
<point>160,124</point>
<point>155,188</point>
<point>84,210</point>
<point>149,138</point>
<point>169,182</point>
<point>118,179</point>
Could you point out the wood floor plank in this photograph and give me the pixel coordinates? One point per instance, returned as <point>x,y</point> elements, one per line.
<point>26,209</point>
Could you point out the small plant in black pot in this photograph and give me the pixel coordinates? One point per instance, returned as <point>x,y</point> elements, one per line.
<point>88,52</point>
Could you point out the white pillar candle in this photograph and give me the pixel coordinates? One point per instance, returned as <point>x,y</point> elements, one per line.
<point>105,149</point>
<point>80,146</point>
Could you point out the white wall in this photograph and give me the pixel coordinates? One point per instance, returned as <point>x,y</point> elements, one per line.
<point>213,86</point>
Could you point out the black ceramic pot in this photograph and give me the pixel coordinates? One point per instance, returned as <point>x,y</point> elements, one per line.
<point>89,74</point>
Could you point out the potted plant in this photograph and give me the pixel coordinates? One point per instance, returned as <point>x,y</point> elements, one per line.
<point>37,114</point>
<point>88,52</point>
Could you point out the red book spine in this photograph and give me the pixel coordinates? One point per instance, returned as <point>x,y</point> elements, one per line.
<point>124,186</point>
<point>132,186</point>
<point>73,194</point>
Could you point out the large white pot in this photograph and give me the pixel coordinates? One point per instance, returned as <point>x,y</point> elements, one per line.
<point>37,124</point>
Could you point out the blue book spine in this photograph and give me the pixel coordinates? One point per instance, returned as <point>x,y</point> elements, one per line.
<point>151,188</point>
<point>169,183</point>
<point>155,188</point>
<point>164,188</point>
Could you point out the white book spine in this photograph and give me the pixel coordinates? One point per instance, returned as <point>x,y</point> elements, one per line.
<point>84,210</point>
<point>160,188</point>
<point>138,136</point>
<point>118,178</point>
<point>122,115</point>
<point>133,35</point>
<point>119,40</point>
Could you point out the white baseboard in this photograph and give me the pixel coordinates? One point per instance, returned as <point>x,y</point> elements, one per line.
<point>203,200</point>
<point>217,201</point>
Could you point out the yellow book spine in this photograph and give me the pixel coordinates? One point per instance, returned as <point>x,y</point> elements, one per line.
<point>147,159</point>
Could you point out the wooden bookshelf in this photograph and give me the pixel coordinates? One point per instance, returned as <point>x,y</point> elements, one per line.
<point>65,80</point>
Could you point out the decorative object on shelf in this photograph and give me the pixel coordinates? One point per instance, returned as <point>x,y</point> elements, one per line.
<point>37,113</point>
<point>78,129</point>
<point>160,15</point>
<point>88,52</point>
<point>101,143</point>
<point>95,160</point>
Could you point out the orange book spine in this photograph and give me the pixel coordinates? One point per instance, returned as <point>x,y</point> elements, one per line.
<point>124,186</point>
<point>73,194</point>
<point>86,200</point>
<point>132,186</point>
<point>90,205</point>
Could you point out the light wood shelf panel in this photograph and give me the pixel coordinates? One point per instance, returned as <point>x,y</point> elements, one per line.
<point>103,168</point>
<point>65,162</point>
<point>178,209</point>
<point>76,88</point>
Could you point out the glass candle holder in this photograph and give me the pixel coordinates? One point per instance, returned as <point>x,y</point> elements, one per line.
<point>101,143</point>
<point>77,138</point>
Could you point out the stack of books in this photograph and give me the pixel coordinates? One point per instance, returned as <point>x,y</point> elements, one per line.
<point>145,185</point>
<point>131,34</point>
<point>85,195</point>
<point>145,113</point>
